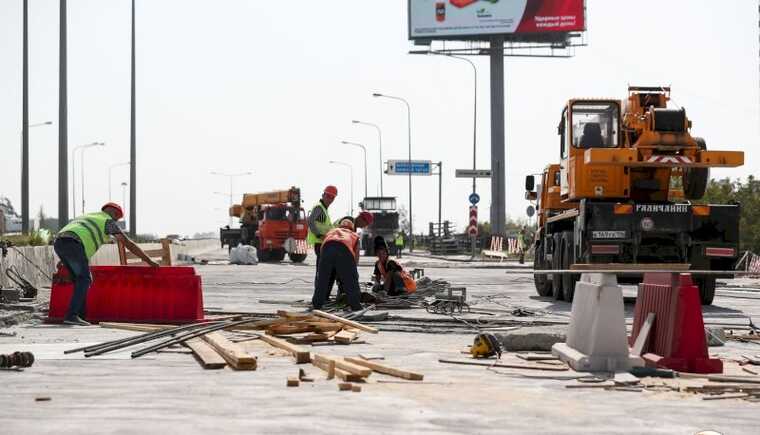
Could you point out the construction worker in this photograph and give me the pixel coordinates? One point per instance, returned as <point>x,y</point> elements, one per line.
<point>78,241</point>
<point>388,274</point>
<point>339,257</point>
<point>319,224</point>
<point>399,241</point>
<point>521,244</point>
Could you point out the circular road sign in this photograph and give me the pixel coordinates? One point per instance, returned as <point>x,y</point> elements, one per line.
<point>474,198</point>
<point>530,211</point>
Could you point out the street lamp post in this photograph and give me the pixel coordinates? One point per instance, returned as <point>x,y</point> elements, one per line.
<point>110,169</point>
<point>409,141</point>
<point>351,181</point>
<point>345,142</point>
<point>380,144</point>
<point>25,173</point>
<point>124,198</point>
<point>232,179</point>
<point>73,175</point>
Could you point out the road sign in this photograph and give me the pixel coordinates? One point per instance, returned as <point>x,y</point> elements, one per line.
<point>530,211</point>
<point>474,198</point>
<point>472,229</point>
<point>473,173</point>
<point>403,167</point>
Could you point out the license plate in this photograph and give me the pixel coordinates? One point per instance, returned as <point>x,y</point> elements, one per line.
<point>608,234</point>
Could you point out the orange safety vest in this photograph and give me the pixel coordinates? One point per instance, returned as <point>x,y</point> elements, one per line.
<point>345,236</point>
<point>409,283</point>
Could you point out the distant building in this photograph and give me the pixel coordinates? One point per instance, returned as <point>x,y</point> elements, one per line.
<point>10,221</point>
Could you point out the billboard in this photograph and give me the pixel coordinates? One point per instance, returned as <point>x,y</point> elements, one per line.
<point>467,19</point>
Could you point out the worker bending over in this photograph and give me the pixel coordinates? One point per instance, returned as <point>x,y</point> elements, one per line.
<point>320,223</point>
<point>388,274</point>
<point>78,241</point>
<point>340,256</point>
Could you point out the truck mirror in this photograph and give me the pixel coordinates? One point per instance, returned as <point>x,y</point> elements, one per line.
<point>530,183</point>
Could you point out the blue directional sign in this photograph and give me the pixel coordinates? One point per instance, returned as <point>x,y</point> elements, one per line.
<point>474,198</point>
<point>406,167</point>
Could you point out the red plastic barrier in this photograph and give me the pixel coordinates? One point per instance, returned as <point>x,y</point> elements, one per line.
<point>677,339</point>
<point>133,294</point>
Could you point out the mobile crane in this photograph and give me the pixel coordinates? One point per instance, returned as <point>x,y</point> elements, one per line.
<point>623,192</point>
<point>273,222</point>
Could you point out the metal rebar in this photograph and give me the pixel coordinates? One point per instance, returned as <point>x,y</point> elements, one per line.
<point>110,346</point>
<point>188,336</point>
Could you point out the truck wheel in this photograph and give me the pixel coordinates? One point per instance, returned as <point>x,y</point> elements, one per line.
<point>695,179</point>
<point>297,258</point>
<point>557,292</point>
<point>263,255</point>
<point>277,255</point>
<point>706,289</point>
<point>543,285</point>
<point>568,279</point>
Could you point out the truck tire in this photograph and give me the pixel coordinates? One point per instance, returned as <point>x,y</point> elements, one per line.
<point>263,255</point>
<point>695,179</point>
<point>557,292</point>
<point>568,279</point>
<point>276,255</point>
<point>543,285</point>
<point>297,258</point>
<point>706,289</point>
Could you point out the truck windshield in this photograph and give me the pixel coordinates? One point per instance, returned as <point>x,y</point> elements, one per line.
<point>595,125</point>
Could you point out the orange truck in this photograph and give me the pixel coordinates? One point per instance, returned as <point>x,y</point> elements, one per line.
<point>272,222</point>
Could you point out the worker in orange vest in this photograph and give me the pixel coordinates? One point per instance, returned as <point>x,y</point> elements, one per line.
<point>388,274</point>
<point>340,256</point>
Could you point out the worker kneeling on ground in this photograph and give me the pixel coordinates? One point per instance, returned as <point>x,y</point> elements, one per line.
<point>78,241</point>
<point>388,274</point>
<point>340,256</point>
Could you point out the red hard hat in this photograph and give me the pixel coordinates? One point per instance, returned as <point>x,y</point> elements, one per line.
<point>331,190</point>
<point>115,206</point>
<point>367,217</point>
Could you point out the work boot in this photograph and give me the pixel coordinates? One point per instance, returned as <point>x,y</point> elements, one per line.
<point>76,321</point>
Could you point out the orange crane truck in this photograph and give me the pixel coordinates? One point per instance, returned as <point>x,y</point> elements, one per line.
<point>626,193</point>
<point>273,222</point>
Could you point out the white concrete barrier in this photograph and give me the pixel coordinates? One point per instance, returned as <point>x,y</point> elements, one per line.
<point>45,258</point>
<point>596,338</point>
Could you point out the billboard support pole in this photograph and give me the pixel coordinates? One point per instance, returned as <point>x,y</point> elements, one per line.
<point>498,210</point>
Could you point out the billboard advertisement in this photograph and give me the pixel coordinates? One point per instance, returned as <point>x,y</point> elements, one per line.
<point>450,19</point>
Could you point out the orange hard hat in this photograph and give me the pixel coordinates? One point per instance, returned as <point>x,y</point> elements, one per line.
<point>331,190</point>
<point>367,217</point>
<point>117,207</point>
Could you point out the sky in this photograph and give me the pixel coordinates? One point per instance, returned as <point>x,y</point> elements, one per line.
<point>271,88</point>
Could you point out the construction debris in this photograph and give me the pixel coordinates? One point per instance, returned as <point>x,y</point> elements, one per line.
<point>16,360</point>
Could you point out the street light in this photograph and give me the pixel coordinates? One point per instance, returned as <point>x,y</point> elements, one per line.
<point>110,168</point>
<point>232,178</point>
<point>380,143</point>
<point>351,172</point>
<point>345,142</point>
<point>25,177</point>
<point>73,174</point>
<point>409,158</point>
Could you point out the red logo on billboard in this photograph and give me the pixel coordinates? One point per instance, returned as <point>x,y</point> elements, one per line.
<point>440,12</point>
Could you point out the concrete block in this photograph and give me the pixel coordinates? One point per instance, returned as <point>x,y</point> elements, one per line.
<point>596,338</point>
<point>539,338</point>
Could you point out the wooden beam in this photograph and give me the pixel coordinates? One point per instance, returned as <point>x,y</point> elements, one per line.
<point>344,337</point>
<point>350,323</point>
<point>207,357</point>
<point>330,366</point>
<point>301,355</point>
<point>641,340</point>
<point>342,364</point>
<point>233,353</point>
<point>387,370</point>
<point>139,327</point>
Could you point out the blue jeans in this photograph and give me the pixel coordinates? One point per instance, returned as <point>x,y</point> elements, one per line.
<point>71,253</point>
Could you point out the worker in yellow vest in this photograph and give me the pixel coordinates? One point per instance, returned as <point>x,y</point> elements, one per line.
<point>340,257</point>
<point>320,223</point>
<point>78,241</point>
<point>399,242</point>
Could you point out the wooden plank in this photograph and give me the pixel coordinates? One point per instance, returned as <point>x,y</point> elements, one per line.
<point>293,382</point>
<point>166,252</point>
<point>139,327</point>
<point>296,316</point>
<point>344,337</point>
<point>290,329</point>
<point>641,340</point>
<point>536,357</point>
<point>350,323</point>
<point>733,379</point>
<point>207,357</point>
<point>233,353</point>
<point>503,365</point>
<point>356,388</point>
<point>750,371</point>
<point>332,371</point>
<point>727,396</point>
<point>345,365</point>
<point>386,370</point>
<point>344,386</point>
<point>301,355</point>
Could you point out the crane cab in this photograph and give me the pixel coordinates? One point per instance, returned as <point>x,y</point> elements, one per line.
<point>590,124</point>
